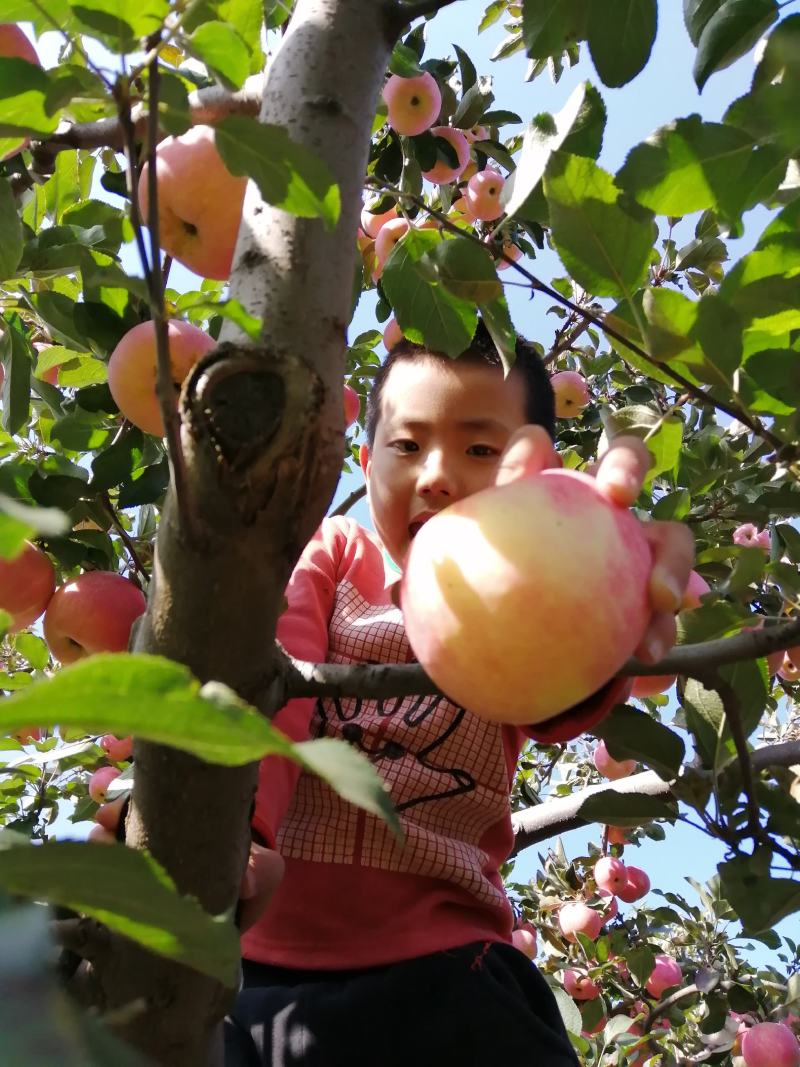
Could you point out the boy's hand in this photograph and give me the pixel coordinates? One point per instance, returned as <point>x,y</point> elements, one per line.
<point>261,877</point>
<point>620,475</point>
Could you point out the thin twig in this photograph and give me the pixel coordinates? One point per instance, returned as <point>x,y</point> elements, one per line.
<point>421,9</point>
<point>734,412</point>
<point>349,501</point>
<point>125,537</point>
<point>567,341</point>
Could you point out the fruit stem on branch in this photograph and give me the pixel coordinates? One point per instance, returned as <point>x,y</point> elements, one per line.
<point>125,537</point>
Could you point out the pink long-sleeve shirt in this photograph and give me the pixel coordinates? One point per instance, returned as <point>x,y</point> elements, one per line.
<point>352,895</point>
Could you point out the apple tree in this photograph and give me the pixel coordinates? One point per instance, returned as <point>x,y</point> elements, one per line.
<point>303,195</point>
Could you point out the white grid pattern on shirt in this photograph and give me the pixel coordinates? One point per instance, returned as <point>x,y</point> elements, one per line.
<point>443,832</point>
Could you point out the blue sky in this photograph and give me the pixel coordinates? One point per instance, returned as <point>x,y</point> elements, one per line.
<point>663,92</point>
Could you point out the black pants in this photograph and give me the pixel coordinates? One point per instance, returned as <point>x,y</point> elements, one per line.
<point>482,1005</point>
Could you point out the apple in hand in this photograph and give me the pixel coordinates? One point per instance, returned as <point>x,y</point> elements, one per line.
<point>770,1045</point>
<point>92,613</point>
<point>132,369</point>
<point>27,583</point>
<point>571,392</point>
<point>579,918</point>
<point>665,974</point>
<point>609,767</point>
<point>443,171</point>
<point>413,103</point>
<point>199,202</point>
<point>484,584</point>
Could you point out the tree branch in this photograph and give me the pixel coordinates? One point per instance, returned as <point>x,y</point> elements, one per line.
<point>349,501</point>
<point>421,9</point>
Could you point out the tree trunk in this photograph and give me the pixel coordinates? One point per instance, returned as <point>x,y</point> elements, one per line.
<point>262,437</point>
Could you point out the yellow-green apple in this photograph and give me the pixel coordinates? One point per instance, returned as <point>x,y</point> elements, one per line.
<point>637,886</point>
<point>199,202</point>
<point>27,583</point>
<point>443,171</point>
<point>482,195</point>
<point>608,766</point>
<point>610,874</point>
<point>580,986</point>
<point>92,613</point>
<point>15,45</point>
<point>647,685</point>
<point>388,236</point>
<point>666,973</point>
<point>413,103</point>
<point>578,918</point>
<point>117,748</point>
<point>524,939</point>
<point>352,405</point>
<point>695,588</point>
<point>770,1045</point>
<point>132,369</point>
<point>392,335</point>
<point>572,393</point>
<point>484,586</point>
<point>371,224</point>
<point>100,781</point>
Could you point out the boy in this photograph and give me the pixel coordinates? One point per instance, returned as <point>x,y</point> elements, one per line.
<point>372,953</point>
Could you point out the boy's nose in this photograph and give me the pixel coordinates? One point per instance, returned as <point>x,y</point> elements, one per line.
<point>436,480</point>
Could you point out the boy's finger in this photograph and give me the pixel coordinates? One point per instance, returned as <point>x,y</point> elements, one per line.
<point>261,878</point>
<point>621,472</point>
<point>672,545</point>
<point>529,451</point>
<point>658,639</point>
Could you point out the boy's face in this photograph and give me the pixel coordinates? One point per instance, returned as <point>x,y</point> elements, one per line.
<point>439,438</point>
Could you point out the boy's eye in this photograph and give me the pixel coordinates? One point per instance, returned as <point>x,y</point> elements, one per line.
<point>482,450</point>
<point>405,445</point>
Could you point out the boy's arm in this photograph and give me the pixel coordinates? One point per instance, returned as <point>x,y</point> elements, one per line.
<point>303,632</point>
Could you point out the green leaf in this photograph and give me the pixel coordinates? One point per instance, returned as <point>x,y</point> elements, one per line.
<point>116,463</point>
<point>771,384</point>
<point>80,433</point>
<point>120,24</point>
<point>633,734</point>
<point>464,269</point>
<point>223,51</point>
<point>585,137</point>
<point>764,289</point>
<point>47,521</point>
<point>23,105</point>
<point>426,312</point>
<point>129,892</point>
<point>154,698</point>
<point>16,355</point>
<point>604,243</point>
<point>288,175</point>
<point>352,776</point>
<point>696,14</point>
<point>10,232</point>
<point>641,960</point>
<point>730,32</point>
<point>475,101</point>
<point>34,650</point>
<point>404,62</point>
<point>469,75</point>
<point>497,320</point>
<point>670,317</point>
<point>620,37</point>
<point>551,26</point>
<point>625,809</point>
<point>146,487</point>
<point>718,331</point>
<point>568,1010</point>
<point>13,535</point>
<point>691,165</point>
<point>543,137</point>
<point>759,899</point>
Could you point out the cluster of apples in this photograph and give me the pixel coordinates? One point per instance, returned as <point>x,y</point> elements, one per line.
<point>91,613</point>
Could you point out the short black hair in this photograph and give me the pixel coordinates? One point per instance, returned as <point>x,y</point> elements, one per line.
<point>539,398</point>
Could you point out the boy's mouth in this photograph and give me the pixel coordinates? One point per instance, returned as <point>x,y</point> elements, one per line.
<point>416,524</point>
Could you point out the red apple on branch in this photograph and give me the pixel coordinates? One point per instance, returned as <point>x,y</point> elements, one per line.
<point>92,613</point>
<point>27,583</point>
<point>770,1045</point>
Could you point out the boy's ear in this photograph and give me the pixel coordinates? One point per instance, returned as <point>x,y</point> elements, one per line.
<point>364,460</point>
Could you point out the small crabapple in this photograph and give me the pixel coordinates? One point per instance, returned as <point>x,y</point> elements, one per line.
<point>608,766</point>
<point>442,171</point>
<point>571,393</point>
<point>413,103</point>
<point>117,748</point>
<point>371,224</point>
<point>483,195</point>
<point>387,238</point>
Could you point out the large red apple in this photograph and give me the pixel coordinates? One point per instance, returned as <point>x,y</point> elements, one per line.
<point>15,45</point>
<point>92,613</point>
<point>578,918</point>
<point>665,974</point>
<point>199,202</point>
<point>132,369</point>
<point>522,600</point>
<point>770,1045</point>
<point>413,103</point>
<point>26,586</point>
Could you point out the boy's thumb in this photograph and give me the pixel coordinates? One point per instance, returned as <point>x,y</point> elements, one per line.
<point>528,452</point>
